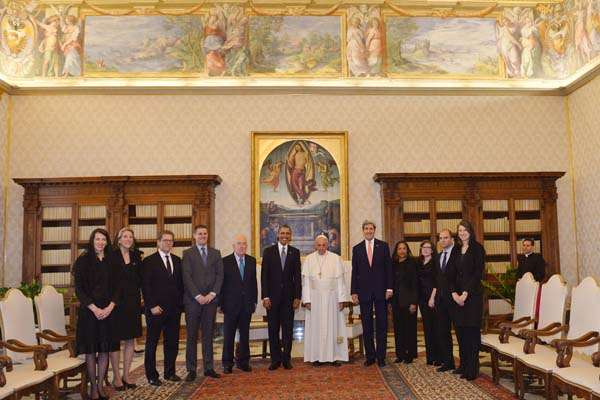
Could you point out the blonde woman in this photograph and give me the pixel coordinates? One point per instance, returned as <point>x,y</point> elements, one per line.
<point>126,262</point>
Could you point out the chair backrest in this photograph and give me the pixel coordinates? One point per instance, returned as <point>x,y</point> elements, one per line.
<point>585,303</point>
<point>50,310</point>
<point>260,309</point>
<point>16,316</point>
<point>553,304</point>
<point>525,297</point>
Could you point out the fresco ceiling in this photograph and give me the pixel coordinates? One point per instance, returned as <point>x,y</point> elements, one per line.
<point>316,45</point>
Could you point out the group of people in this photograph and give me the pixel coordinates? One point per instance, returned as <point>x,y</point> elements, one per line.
<point>110,282</point>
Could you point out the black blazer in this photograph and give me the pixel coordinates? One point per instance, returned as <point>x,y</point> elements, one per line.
<point>238,294</point>
<point>281,284</point>
<point>371,282</point>
<point>425,280</point>
<point>534,263</point>
<point>159,287</point>
<point>440,278</point>
<point>405,283</point>
<point>467,277</point>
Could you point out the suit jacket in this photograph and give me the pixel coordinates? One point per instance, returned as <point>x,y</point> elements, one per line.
<point>236,293</point>
<point>440,278</point>
<point>199,278</point>
<point>277,283</point>
<point>534,263</point>
<point>405,283</point>
<point>371,282</point>
<point>467,277</point>
<point>159,287</point>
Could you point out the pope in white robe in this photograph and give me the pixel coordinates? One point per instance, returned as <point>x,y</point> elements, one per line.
<point>323,295</point>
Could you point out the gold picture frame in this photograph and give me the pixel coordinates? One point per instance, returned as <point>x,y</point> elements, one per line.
<point>311,199</point>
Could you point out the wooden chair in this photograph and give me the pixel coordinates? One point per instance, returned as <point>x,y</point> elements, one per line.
<point>26,379</point>
<point>524,314</point>
<point>354,328</point>
<point>18,328</point>
<point>584,325</point>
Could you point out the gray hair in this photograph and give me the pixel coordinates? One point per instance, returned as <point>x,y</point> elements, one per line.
<point>367,222</point>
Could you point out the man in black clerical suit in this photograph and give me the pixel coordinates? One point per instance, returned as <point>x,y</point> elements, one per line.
<point>444,267</point>
<point>162,287</point>
<point>371,286</point>
<point>281,291</point>
<point>531,262</point>
<point>239,295</point>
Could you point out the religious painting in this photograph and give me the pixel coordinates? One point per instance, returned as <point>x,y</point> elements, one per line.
<point>225,42</point>
<point>144,45</point>
<point>364,41</point>
<point>300,180</point>
<point>442,46</point>
<point>295,45</point>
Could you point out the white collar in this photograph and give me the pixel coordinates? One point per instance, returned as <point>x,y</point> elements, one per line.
<point>163,254</point>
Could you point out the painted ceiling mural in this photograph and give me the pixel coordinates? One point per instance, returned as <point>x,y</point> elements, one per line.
<point>549,41</point>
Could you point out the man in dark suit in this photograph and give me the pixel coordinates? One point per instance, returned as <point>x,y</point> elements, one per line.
<point>444,266</point>
<point>371,286</point>
<point>281,291</point>
<point>162,287</point>
<point>239,295</point>
<point>531,262</point>
<point>202,279</point>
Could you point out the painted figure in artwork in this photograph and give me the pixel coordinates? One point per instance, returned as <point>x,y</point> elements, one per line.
<point>510,47</point>
<point>274,169</point>
<point>583,45</point>
<point>236,53</point>
<point>374,46</point>
<point>532,50</point>
<point>327,178</point>
<point>71,46</point>
<point>356,51</point>
<point>214,38</point>
<point>300,173</point>
<point>49,45</point>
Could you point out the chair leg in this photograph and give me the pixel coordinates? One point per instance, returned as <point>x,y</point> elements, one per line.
<point>495,372</point>
<point>264,349</point>
<point>361,346</point>
<point>547,382</point>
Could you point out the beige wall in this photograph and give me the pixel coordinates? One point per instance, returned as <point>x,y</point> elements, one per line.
<point>116,135</point>
<point>585,127</point>
<point>3,174</point>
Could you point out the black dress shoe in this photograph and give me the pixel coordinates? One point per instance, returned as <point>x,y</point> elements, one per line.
<point>227,370</point>
<point>336,364</point>
<point>471,377</point>
<point>436,363</point>
<point>444,368</point>
<point>287,365</point>
<point>369,363</point>
<point>458,371</point>
<point>245,367</point>
<point>173,378</point>
<point>274,366</point>
<point>211,373</point>
<point>398,360</point>
<point>381,363</point>
<point>190,377</point>
<point>155,382</point>
<point>128,385</point>
<point>408,361</point>
<point>120,388</point>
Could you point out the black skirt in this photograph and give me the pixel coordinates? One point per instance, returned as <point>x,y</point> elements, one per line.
<point>93,335</point>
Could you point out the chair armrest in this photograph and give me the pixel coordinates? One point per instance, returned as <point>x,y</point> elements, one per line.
<point>6,362</point>
<point>50,332</point>
<point>40,352</point>
<point>531,335</point>
<point>507,327</point>
<point>56,338</point>
<point>564,347</point>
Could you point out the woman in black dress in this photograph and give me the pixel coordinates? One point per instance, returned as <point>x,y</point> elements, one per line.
<point>126,263</point>
<point>94,287</point>
<point>404,303</point>
<point>467,292</point>
<point>425,274</point>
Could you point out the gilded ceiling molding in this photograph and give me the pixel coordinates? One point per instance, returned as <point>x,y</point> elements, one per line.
<point>109,12</point>
<point>294,10</point>
<point>185,12</point>
<point>442,12</point>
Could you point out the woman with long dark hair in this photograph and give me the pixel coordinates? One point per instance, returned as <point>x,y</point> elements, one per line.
<point>404,303</point>
<point>467,293</point>
<point>95,287</point>
<point>127,321</point>
<point>427,292</point>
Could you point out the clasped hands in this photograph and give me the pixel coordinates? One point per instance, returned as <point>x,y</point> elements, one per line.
<point>205,299</point>
<point>101,313</point>
<point>267,303</point>
<point>388,295</point>
<point>340,306</point>
<point>460,300</point>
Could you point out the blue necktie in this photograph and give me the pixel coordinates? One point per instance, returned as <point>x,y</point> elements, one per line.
<point>444,262</point>
<point>203,254</point>
<point>242,266</point>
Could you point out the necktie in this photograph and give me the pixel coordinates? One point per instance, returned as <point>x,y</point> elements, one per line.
<point>283,257</point>
<point>242,266</point>
<point>444,261</point>
<point>169,266</point>
<point>370,253</point>
<point>203,254</point>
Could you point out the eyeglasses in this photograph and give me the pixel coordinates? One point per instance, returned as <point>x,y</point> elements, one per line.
<point>426,247</point>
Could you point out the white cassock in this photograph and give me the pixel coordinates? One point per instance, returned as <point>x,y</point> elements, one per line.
<point>324,288</point>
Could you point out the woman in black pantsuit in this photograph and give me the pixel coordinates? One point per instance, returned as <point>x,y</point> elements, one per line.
<point>95,285</point>
<point>127,319</point>
<point>467,292</point>
<point>427,292</point>
<point>404,303</point>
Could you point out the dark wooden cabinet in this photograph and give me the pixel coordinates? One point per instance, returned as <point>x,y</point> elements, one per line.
<point>504,208</point>
<point>60,213</point>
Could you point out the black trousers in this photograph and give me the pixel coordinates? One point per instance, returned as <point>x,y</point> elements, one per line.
<point>366,317</point>
<point>429,316</point>
<point>443,330</point>
<point>167,324</point>
<point>469,342</point>
<point>203,317</point>
<point>233,321</point>
<point>405,332</point>
<point>281,318</point>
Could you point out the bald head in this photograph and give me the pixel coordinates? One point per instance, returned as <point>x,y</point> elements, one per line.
<point>321,244</point>
<point>240,245</point>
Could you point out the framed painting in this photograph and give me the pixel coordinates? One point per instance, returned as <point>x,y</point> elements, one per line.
<point>300,179</point>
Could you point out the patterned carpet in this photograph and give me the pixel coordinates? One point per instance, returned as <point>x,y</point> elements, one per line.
<point>350,381</point>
